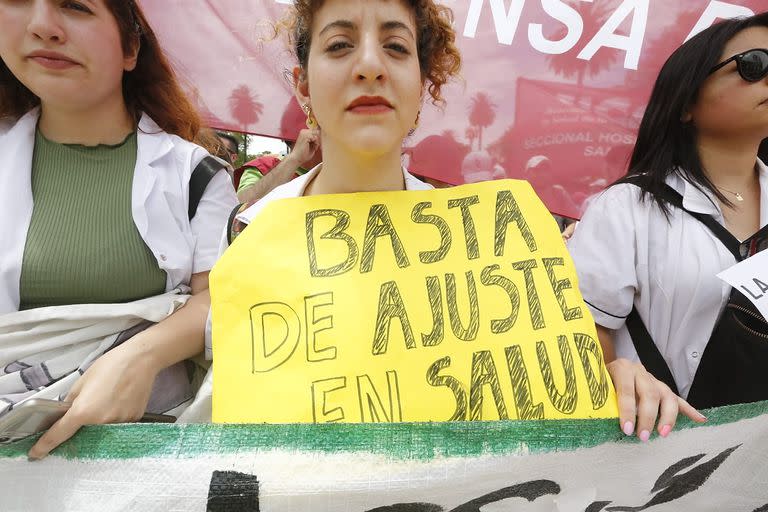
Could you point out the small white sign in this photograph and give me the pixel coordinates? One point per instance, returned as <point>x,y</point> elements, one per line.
<point>750,277</point>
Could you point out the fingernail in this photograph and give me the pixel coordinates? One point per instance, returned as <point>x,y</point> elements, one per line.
<point>665,430</point>
<point>644,435</point>
<point>629,427</point>
<point>703,417</point>
<point>32,458</point>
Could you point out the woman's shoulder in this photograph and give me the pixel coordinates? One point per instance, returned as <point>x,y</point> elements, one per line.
<point>6,123</point>
<point>24,124</point>
<point>157,145</point>
<point>619,195</point>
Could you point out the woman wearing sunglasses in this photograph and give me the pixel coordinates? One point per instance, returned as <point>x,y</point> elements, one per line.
<point>694,203</point>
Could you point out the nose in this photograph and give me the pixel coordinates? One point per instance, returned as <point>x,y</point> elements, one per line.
<point>370,64</point>
<point>44,22</point>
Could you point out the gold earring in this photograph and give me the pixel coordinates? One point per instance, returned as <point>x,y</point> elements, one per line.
<point>311,121</point>
<point>415,124</point>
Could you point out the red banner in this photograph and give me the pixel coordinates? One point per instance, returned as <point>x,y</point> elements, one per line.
<point>553,90</point>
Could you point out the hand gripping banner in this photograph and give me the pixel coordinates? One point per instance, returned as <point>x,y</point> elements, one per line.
<point>454,304</point>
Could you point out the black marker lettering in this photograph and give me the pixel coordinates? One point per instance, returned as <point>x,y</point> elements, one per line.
<point>507,211</point>
<point>391,306</point>
<point>442,227</point>
<point>470,235</point>
<point>459,394</point>
<point>335,233</point>
<point>380,224</point>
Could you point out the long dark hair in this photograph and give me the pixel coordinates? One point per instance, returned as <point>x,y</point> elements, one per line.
<point>151,88</point>
<point>665,141</point>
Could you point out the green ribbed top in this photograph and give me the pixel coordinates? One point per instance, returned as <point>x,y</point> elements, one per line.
<point>82,244</point>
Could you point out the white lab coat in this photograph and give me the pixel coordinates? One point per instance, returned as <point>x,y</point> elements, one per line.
<point>627,253</point>
<point>160,197</point>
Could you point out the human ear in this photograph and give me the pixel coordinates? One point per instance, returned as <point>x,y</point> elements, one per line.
<point>132,56</point>
<point>301,86</point>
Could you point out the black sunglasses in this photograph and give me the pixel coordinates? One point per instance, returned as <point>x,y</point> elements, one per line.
<point>752,64</point>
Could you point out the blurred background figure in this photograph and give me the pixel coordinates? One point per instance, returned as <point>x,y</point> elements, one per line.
<point>477,166</point>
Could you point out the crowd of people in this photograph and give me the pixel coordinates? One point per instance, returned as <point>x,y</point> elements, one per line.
<point>85,86</point>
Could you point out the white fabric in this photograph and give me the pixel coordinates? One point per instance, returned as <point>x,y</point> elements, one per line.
<point>200,410</point>
<point>44,351</point>
<point>626,252</point>
<point>185,468</point>
<point>160,198</point>
<point>297,186</point>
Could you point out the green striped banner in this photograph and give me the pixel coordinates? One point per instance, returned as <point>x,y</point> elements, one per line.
<point>548,465</point>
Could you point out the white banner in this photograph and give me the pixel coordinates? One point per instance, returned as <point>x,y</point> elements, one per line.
<point>560,466</point>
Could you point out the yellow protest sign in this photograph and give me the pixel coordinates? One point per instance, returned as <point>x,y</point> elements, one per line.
<point>453,304</point>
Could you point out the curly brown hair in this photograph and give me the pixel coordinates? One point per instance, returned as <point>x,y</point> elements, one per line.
<point>439,58</point>
<point>152,87</point>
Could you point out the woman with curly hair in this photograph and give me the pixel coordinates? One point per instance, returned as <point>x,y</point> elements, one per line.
<point>363,69</point>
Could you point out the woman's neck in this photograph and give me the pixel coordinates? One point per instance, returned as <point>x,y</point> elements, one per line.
<point>728,163</point>
<point>344,172</point>
<point>109,124</point>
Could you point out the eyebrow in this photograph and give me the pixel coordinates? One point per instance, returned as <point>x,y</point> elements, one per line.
<point>346,24</point>
<point>396,25</point>
<point>386,26</point>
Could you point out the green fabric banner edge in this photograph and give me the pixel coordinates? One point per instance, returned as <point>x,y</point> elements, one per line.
<point>406,441</point>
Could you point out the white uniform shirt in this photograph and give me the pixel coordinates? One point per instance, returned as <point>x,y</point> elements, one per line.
<point>159,203</point>
<point>626,252</point>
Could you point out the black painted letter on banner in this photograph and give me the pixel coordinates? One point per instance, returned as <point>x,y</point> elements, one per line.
<point>320,391</point>
<point>468,333</point>
<point>564,402</point>
<point>484,372</point>
<point>442,227</point>
<point>598,387</point>
<point>372,408</point>
<point>436,305</point>
<point>231,491</point>
<point>558,286</point>
<point>507,211</point>
<point>391,306</point>
<point>460,414</point>
<point>266,354</point>
<point>380,224</point>
<point>315,325</point>
<point>534,305</point>
<point>335,233</point>
<point>488,279</point>
<point>521,386</point>
<point>470,235</point>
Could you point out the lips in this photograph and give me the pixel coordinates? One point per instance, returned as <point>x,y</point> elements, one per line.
<point>52,60</point>
<point>370,105</point>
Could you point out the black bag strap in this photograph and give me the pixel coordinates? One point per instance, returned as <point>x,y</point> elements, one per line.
<point>231,221</point>
<point>644,346</point>
<point>674,198</point>
<point>647,350</point>
<point>201,176</point>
